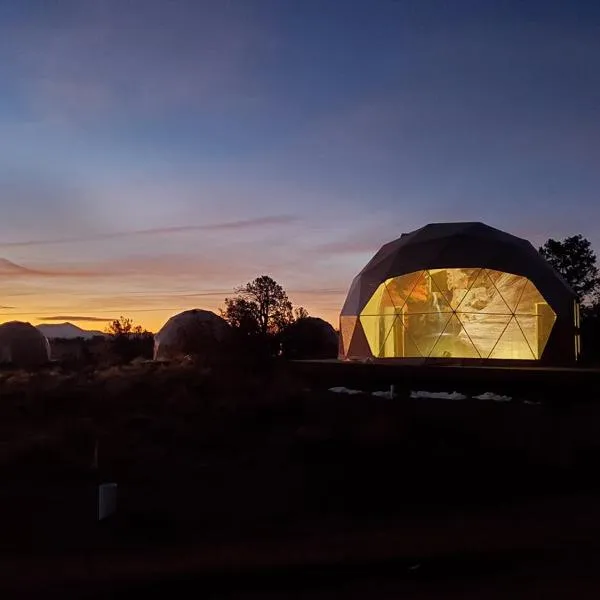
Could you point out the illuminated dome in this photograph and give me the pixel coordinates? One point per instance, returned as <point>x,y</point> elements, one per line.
<point>459,291</point>
<point>22,345</point>
<point>190,332</point>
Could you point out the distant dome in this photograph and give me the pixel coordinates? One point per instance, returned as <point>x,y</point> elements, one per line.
<point>22,345</point>
<point>190,332</point>
<point>310,337</point>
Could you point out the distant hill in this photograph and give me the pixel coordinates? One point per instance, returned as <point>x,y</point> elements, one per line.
<point>10,268</point>
<point>67,331</point>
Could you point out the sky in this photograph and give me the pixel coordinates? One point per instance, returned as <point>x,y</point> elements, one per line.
<point>156,154</point>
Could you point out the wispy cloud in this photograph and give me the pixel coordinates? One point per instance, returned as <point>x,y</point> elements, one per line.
<point>76,318</point>
<point>277,220</point>
<point>7,307</point>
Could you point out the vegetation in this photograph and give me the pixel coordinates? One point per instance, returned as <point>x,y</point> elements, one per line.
<point>575,260</point>
<point>261,312</point>
<point>129,341</point>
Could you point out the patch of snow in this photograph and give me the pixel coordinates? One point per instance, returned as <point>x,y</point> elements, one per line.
<point>442,395</point>
<point>533,403</point>
<point>344,390</point>
<point>494,397</point>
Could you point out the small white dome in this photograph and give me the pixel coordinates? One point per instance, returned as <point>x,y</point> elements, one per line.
<point>22,345</point>
<point>190,332</point>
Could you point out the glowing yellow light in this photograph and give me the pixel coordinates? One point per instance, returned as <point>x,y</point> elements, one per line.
<point>460,313</point>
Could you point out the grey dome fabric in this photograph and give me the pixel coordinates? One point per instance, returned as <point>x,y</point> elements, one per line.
<point>190,332</point>
<point>22,345</point>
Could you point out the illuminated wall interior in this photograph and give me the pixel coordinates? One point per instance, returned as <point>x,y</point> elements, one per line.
<point>456,313</point>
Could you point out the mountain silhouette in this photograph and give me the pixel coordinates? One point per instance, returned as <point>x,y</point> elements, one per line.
<point>66,331</point>
<point>8,267</point>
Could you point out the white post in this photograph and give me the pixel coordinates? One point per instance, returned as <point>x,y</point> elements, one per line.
<point>107,500</point>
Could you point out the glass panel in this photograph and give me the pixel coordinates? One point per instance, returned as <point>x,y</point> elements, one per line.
<point>483,297</point>
<point>346,330</point>
<point>454,342</point>
<point>439,290</point>
<point>529,300</point>
<point>392,344</point>
<point>400,288</point>
<point>379,302</point>
<point>377,328</point>
<point>484,330</point>
<point>512,344</point>
<point>395,294</point>
<point>509,286</point>
<point>454,283</point>
<point>536,329</point>
<point>484,300</point>
<point>398,343</point>
<point>359,347</point>
<point>426,329</point>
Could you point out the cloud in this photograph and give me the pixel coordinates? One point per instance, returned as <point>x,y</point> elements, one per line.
<point>76,318</point>
<point>7,307</point>
<point>276,220</point>
<point>10,270</point>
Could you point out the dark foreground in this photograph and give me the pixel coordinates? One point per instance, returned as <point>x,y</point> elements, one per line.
<point>238,482</point>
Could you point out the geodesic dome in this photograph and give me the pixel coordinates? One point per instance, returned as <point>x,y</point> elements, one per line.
<point>22,345</point>
<point>459,291</point>
<point>309,337</point>
<point>191,332</point>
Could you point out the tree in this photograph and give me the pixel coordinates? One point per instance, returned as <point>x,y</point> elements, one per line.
<point>123,326</point>
<point>129,341</point>
<point>575,260</point>
<point>300,313</point>
<point>261,307</point>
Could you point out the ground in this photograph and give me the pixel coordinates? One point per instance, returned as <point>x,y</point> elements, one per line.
<point>255,480</point>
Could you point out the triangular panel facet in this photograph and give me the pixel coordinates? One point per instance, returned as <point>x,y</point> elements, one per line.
<point>376,329</point>
<point>454,342</point>
<point>439,291</point>
<point>456,285</point>
<point>512,344</point>
<point>393,344</point>
<point>483,297</point>
<point>401,287</point>
<point>379,302</point>
<point>484,330</point>
<point>426,329</point>
<point>359,346</point>
<point>346,330</point>
<point>536,330</point>
<point>530,301</point>
<point>509,286</point>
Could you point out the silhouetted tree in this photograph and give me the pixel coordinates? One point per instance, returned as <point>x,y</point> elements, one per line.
<point>130,341</point>
<point>300,313</point>
<point>260,307</point>
<point>575,260</point>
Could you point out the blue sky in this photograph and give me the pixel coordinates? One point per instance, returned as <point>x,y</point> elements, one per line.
<point>291,137</point>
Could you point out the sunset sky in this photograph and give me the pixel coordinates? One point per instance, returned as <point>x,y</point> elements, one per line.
<point>155,154</point>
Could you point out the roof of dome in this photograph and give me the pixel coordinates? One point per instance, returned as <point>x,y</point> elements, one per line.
<point>195,324</point>
<point>23,344</point>
<point>457,245</point>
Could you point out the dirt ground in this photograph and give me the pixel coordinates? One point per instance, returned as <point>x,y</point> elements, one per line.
<point>258,482</point>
